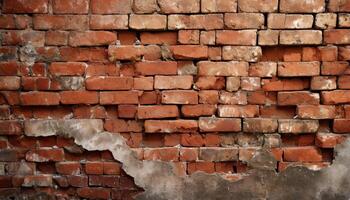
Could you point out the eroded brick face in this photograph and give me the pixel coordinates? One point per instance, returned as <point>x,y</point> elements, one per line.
<point>200,84</point>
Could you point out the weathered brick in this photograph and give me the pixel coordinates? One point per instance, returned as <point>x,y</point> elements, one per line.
<point>244,20</point>
<point>218,154</point>
<point>173,82</point>
<point>111,6</point>
<point>144,6</point>
<point>297,98</point>
<point>302,154</point>
<point>223,68</point>
<point>328,140</point>
<point>293,69</point>
<point>156,112</point>
<point>230,37</point>
<point>337,36</point>
<point>61,22</point>
<point>39,98</point>
<point>336,97</point>
<point>170,126</point>
<point>10,82</point>
<point>268,37</point>
<point>25,6</point>
<point>210,82</point>
<point>67,68</point>
<point>198,110</point>
<point>70,6</point>
<point>212,6</point>
<point>36,38</point>
<point>91,38</point>
<point>297,126</point>
<point>242,53</point>
<point>245,111</point>
<point>316,112</point>
<point>133,53</point>
<point>326,20</point>
<point>68,168</point>
<point>341,125</point>
<point>233,83</point>
<point>263,69</point>
<point>38,181</point>
<point>207,22</point>
<point>179,97</point>
<point>260,125</point>
<point>339,6</point>
<point>148,22</point>
<point>179,6</point>
<point>250,83</point>
<point>300,37</point>
<point>323,83</point>
<point>44,155</point>
<point>239,98</point>
<point>109,22</point>
<point>212,124</point>
<point>189,52</point>
<point>120,97</point>
<point>163,154</point>
<point>265,6</point>
<point>109,83</point>
<point>10,127</point>
<point>188,36</point>
<point>290,21</point>
<point>302,6</point>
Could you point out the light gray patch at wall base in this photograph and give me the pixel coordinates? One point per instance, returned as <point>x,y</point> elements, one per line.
<point>160,182</point>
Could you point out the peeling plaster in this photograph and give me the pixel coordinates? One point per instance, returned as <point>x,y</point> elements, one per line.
<point>159,180</point>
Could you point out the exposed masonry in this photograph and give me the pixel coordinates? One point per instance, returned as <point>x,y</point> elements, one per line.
<point>174,99</point>
<point>161,181</point>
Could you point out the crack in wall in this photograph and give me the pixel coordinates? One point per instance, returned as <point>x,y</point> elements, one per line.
<point>159,180</point>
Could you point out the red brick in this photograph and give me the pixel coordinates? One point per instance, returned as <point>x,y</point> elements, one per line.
<point>119,125</point>
<point>170,126</point>
<point>336,97</point>
<point>238,111</point>
<point>207,22</point>
<point>244,20</point>
<point>303,6</point>
<point>208,96</point>
<point>9,83</point>
<point>223,68</point>
<point>68,168</point>
<point>260,125</point>
<point>323,83</point>
<point>7,22</point>
<point>218,154</point>
<point>296,126</point>
<point>101,69</point>
<point>156,112</point>
<point>56,38</point>
<point>148,22</point>
<point>344,82</point>
<point>212,6</point>
<point>302,154</point>
<point>10,37</point>
<point>143,83</point>
<point>285,84</point>
<point>153,68</point>
<point>258,5</point>
<point>339,6</point>
<point>209,124</point>
<point>109,22</point>
<point>120,97</point>
<point>263,69</point>
<point>25,6</point>
<point>292,69</point>
<point>188,36</point>
<point>163,154</point>
<point>297,98</point>
<point>70,6</point>
<point>10,128</point>
<point>188,154</point>
<point>9,68</point>
<point>68,68</point>
<point>39,98</point>
<point>111,168</point>
<point>341,125</point>
<point>83,54</point>
<point>131,52</point>
<point>61,22</point>
<point>179,6</point>
<point>144,6</point>
<point>207,167</point>
<point>111,6</point>
<point>189,52</point>
<point>294,21</point>
<point>335,68</point>
<point>94,193</point>
<point>316,112</point>
<point>45,155</point>
<point>94,168</point>
<point>210,82</point>
<point>239,98</point>
<point>37,181</point>
<point>79,97</point>
<point>168,38</point>
<point>109,83</point>
<point>92,38</point>
<point>179,97</point>
<point>198,110</point>
<point>173,82</point>
<point>329,140</point>
<point>337,36</point>
<point>230,37</point>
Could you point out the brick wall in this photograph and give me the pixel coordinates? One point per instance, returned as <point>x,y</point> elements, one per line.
<point>203,84</point>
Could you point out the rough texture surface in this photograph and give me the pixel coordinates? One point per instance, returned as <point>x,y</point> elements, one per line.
<point>209,99</point>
